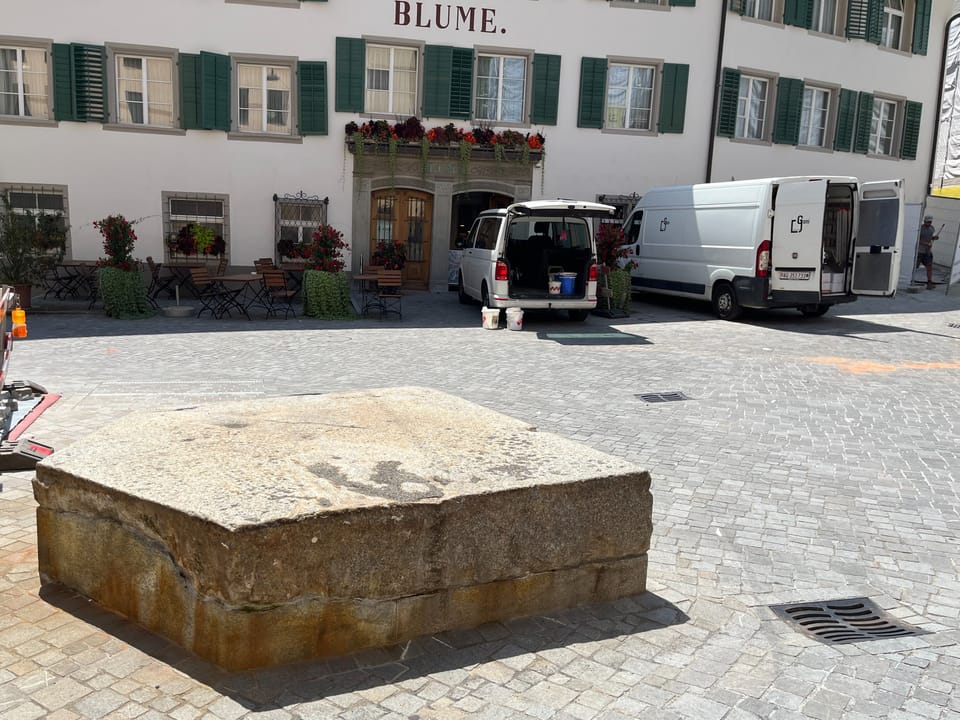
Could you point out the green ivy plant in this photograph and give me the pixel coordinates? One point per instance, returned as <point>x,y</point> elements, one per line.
<point>619,281</point>
<point>123,293</point>
<point>326,295</point>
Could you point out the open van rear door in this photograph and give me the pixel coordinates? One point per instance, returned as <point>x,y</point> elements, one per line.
<point>796,246</point>
<point>879,243</point>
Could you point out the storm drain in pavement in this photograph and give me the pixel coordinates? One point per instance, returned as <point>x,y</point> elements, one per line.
<point>844,621</point>
<point>662,397</point>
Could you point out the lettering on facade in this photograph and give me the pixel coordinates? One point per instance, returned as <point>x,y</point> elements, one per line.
<point>446,17</point>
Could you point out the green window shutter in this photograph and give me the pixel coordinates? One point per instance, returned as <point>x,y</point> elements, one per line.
<point>546,89</point>
<point>683,3</point>
<point>90,82</point>
<point>312,87</point>
<point>461,83</point>
<point>786,123</point>
<point>351,61</point>
<point>673,97</point>
<point>861,139</point>
<point>593,87</point>
<point>865,19</point>
<point>189,91</point>
<point>921,26</point>
<point>214,91</point>
<point>437,69</point>
<point>798,13</point>
<point>729,95</point>
<point>846,115</point>
<point>911,129</point>
<point>875,22</point>
<point>64,107</point>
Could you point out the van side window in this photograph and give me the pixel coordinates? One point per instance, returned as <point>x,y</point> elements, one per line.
<point>633,229</point>
<point>486,238</point>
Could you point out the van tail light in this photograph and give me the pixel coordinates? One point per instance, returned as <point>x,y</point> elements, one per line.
<point>501,271</point>
<point>592,273</point>
<point>763,259</point>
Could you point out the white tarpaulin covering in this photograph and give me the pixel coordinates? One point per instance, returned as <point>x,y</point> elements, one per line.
<point>946,169</point>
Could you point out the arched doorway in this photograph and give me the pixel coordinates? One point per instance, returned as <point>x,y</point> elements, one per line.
<point>404,215</point>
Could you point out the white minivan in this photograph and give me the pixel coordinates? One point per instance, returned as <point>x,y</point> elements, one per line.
<point>790,242</point>
<point>536,255</point>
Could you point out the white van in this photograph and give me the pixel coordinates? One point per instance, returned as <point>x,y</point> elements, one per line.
<point>803,242</point>
<point>537,255</point>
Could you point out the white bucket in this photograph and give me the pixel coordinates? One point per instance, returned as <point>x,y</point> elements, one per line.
<point>553,286</point>
<point>515,318</point>
<point>490,318</point>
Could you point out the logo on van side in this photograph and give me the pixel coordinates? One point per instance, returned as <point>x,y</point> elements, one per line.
<point>663,225</point>
<point>796,224</point>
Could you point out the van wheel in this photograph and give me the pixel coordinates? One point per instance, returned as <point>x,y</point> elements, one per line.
<point>812,311</point>
<point>461,293</point>
<point>578,315</point>
<point>725,303</point>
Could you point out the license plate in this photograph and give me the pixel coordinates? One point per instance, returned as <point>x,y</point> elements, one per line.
<point>795,275</point>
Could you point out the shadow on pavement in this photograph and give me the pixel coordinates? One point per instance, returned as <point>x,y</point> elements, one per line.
<point>272,688</point>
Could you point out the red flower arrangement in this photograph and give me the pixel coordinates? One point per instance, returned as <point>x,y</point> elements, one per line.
<point>411,131</point>
<point>118,241</point>
<point>326,250</point>
<point>610,248</point>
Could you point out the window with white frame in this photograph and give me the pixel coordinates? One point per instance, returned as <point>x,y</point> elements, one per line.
<point>752,107</point>
<point>264,98</point>
<point>814,117</point>
<point>629,97</point>
<point>759,9</point>
<point>883,126</point>
<point>825,16</point>
<point>24,83</point>
<point>892,23</point>
<point>297,217</point>
<point>35,202</point>
<point>180,210</point>
<point>391,81</point>
<point>501,85</point>
<point>144,90</point>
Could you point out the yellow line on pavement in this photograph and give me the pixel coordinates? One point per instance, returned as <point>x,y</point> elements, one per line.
<point>862,367</point>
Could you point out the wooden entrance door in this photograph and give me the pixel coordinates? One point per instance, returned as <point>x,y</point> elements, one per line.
<point>404,215</point>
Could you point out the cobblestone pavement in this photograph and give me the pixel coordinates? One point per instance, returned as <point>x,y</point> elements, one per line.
<point>814,460</point>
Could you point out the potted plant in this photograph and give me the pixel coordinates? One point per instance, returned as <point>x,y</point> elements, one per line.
<point>196,239</point>
<point>389,255</point>
<point>118,275</point>
<point>326,290</point>
<point>614,270</point>
<point>31,244</point>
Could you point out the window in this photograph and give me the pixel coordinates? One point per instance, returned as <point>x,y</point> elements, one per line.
<point>24,89</point>
<point>487,231</point>
<point>752,107</point>
<point>297,218</point>
<point>501,83</point>
<point>882,127</point>
<point>759,9</point>
<point>892,23</point>
<point>824,17</point>
<point>391,84</point>
<point>39,202</point>
<point>629,97</point>
<point>144,90</point>
<point>182,209</point>
<point>814,117</point>
<point>263,98</point>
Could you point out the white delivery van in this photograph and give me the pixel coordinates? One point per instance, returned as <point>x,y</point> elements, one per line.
<point>802,242</point>
<point>512,254</point>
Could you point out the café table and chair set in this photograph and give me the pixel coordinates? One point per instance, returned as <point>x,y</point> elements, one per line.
<point>73,280</point>
<point>380,291</point>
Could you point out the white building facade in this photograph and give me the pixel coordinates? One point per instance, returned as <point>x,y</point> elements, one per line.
<point>232,113</point>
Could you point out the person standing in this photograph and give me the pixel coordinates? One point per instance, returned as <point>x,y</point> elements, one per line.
<point>925,248</point>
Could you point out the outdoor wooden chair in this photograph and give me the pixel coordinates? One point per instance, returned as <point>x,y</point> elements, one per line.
<point>222,265</point>
<point>159,281</point>
<point>213,295</point>
<point>263,263</point>
<point>389,292</point>
<point>276,294</point>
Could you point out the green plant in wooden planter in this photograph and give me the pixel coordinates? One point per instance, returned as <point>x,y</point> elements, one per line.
<point>326,295</point>
<point>119,279</point>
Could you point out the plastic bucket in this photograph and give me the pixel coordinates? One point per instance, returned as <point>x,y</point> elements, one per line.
<point>490,318</point>
<point>553,285</point>
<point>567,281</point>
<point>515,318</point>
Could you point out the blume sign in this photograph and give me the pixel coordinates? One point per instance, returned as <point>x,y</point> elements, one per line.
<point>444,16</point>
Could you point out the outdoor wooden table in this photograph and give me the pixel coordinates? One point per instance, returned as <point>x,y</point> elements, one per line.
<point>74,278</point>
<point>181,273</point>
<point>294,273</point>
<point>251,292</point>
<point>367,284</point>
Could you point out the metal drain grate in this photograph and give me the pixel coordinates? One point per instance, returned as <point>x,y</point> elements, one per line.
<point>662,397</point>
<point>844,621</point>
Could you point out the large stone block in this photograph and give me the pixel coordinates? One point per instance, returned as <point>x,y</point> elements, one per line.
<point>261,532</point>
